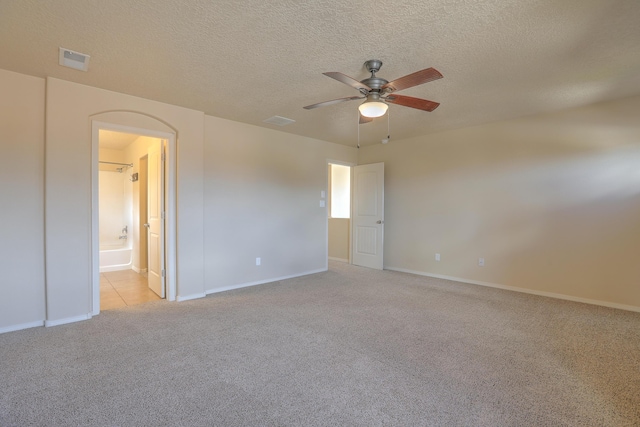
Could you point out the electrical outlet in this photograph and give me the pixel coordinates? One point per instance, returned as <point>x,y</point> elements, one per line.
<point>437,257</point>
<point>258,261</point>
<point>481,262</point>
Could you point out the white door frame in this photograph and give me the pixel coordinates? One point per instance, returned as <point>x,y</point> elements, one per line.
<point>327,191</point>
<point>170,207</point>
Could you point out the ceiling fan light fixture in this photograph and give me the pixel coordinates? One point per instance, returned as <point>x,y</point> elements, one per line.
<point>373,108</point>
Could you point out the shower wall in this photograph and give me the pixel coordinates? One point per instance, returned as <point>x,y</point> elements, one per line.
<point>115,209</point>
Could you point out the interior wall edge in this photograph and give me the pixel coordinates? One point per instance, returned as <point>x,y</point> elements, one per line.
<point>263,281</point>
<point>21,326</point>
<point>181,298</point>
<point>564,297</point>
<point>57,322</point>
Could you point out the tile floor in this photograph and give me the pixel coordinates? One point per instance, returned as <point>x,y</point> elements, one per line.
<point>123,288</point>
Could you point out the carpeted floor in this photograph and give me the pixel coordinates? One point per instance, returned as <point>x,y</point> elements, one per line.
<point>350,346</point>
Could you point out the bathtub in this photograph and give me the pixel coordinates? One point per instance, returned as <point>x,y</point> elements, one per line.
<point>114,258</point>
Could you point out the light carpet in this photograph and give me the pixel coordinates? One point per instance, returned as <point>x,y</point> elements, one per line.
<point>350,346</point>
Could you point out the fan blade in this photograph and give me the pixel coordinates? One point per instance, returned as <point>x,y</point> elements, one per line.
<point>343,78</point>
<point>409,101</point>
<point>414,79</point>
<point>364,119</point>
<point>334,101</point>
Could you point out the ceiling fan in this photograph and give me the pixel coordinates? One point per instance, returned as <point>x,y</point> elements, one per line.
<point>378,91</point>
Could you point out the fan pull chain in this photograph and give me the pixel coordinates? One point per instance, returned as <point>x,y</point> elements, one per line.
<point>386,140</point>
<point>358,125</point>
<point>388,125</point>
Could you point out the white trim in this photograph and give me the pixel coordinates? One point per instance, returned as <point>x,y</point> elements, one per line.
<point>332,258</point>
<point>262,282</point>
<point>95,231</point>
<point>66,320</point>
<point>13,328</point>
<point>138,270</point>
<point>190,297</point>
<point>522,290</point>
<point>170,207</point>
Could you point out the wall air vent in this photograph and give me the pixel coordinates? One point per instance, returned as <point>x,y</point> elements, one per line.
<point>280,121</point>
<point>75,60</point>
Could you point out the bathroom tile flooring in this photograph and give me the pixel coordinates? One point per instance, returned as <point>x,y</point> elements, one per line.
<point>123,288</point>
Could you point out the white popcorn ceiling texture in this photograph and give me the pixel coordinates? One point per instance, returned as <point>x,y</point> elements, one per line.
<point>253,59</point>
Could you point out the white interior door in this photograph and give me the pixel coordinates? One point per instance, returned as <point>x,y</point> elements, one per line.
<point>368,215</point>
<point>155,221</point>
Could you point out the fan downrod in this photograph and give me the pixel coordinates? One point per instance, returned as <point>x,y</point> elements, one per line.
<point>375,83</point>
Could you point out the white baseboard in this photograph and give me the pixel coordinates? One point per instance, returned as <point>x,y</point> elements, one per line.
<point>64,321</point>
<point>111,268</point>
<point>138,270</point>
<point>262,282</point>
<point>21,326</point>
<point>190,297</point>
<point>339,259</point>
<point>522,290</point>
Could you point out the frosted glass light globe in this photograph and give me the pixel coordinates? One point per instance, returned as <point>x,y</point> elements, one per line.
<point>373,109</point>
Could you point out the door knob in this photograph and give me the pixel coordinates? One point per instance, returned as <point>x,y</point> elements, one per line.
<point>147,225</point>
<point>379,222</point>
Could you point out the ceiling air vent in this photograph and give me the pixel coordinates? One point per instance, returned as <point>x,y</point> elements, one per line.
<point>280,121</point>
<point>75,60</point>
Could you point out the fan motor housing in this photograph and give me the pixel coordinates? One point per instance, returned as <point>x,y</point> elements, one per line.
<point>375,83</point>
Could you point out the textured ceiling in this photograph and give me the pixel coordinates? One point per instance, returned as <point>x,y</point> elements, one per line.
<point>253,59</point>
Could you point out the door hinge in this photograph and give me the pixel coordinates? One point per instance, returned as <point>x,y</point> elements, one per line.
<point>162,215</point>
<point>163,273</point>
<point>162,157</point>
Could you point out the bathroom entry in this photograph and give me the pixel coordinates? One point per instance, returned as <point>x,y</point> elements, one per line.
<point>339,212</point>
<point>130,220</point>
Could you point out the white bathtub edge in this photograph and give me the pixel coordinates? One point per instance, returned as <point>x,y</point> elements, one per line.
<point>120,267</point>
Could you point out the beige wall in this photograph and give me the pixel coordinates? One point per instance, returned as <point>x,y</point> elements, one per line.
<point>110,155</point>
<point>70,109</point>
<point>21,200</point>
<point>552,202</point>
<point>339,238</point>
<point>262,194</point>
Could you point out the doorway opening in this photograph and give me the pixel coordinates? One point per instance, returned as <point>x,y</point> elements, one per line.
<point>339,212</point>
<point>133,236</point>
